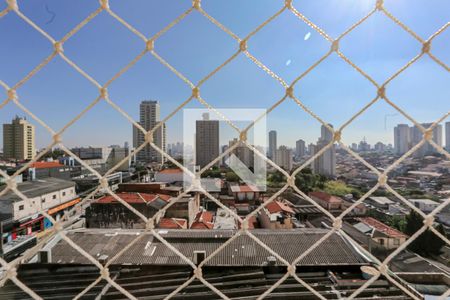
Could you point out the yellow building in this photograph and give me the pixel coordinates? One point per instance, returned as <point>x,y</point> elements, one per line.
<point>18,140</point>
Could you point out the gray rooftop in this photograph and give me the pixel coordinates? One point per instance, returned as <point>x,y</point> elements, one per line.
<point>243,251</point>
<point>36,188</point>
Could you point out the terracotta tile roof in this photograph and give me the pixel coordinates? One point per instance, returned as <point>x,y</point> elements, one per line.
<point>381,227</point>
<point>326,197</point>
<point>172,223</point>
<point>244,188</point>
<point>277,206</point>
<point>203,220</point>
<point>171,171</point>
<point>131,198</point>
<point>45,164</point>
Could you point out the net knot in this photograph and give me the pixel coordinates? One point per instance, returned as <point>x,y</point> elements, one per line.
<point>12,4</point>
<point>104,183</point>
<point>337,136</point>
<point>382,179</point>
<point>335,46</point>
<point>291,181</point>
<point>428,221</point>
<point>243,136</point>
<point>149,137</point>
<point>104,272</point>
<point>150,225</point>
<point>196,4</point>
<point>290,91</point>
<point>150,45</point>
<point>198,273</point>
<point>11,272</point>
<point>382,91</point>
<point>104,4</point>
<point>288,4</point>
<point>58,47</point>
<point>426,47</point>
<point>12,94</point>
<point>428,135</point>
<point>337,224</point>
<point>383,269</point>
<point>244,224</point>
<point>57,138</point>
<point>243,45</point>
<point>379,4</point>
<point>11,183</point>
<point>291,270</point>
<point>104,92</point>
<point>196,92</point>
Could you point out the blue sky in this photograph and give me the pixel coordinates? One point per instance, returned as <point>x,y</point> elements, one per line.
<point>334,91</point>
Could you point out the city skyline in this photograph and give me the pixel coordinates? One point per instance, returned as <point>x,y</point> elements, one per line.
<point>347,91</point>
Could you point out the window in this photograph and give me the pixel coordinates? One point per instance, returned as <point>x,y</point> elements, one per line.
<point>21,207</point>
<point>63,193</point>
<point>396,242</point>
<point>54,197</point>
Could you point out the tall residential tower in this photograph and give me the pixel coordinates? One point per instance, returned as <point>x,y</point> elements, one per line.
<point>18,140</point>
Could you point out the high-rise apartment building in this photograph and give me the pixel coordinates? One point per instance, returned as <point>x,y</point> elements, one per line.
<point>300,149</point>
<point>18,140</point>
<point>447,136</point>
<point>325,164</point>
<point>206,141</point>
<point>149,118</point>
<point>272,144</point>
<point>283,158</point>
<point>402,139</point>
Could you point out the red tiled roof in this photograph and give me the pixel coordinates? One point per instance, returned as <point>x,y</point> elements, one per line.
<point>203,220</point>
<point>380,226</point>
<point>130,198</point>
<point>326,197</point>
<point>45,164</point>
<point>172,223</point>
<point>244,188</point>
<point>276,206</point>
<point>171,171</point>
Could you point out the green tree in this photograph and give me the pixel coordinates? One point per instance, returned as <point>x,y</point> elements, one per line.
<point>427,244</point>
<point>231,177</point>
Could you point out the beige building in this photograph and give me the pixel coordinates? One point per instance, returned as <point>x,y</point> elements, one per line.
<point>283,158</point>
<point>18,140</point>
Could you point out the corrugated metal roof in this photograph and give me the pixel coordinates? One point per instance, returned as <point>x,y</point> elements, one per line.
<point>243,251</point>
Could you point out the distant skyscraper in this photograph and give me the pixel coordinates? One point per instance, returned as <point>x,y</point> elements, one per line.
<point>272,144</point>
<point>18,140</point>
<point>325,164</point>
<point>417,136</point>
<point>149,114</point>
<point>402,139</point>
<point>363,146</point>
<point>447,136</point>
<point>300,148</point>
<point>354,147</point>
<point>206,141</point>
<point>283,158</point>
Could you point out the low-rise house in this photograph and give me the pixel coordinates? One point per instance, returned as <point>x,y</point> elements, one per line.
<point>380,202</point>
<point>277,215</point>
<point>109,212</point>
<point>21,216</point>
<point>384,235</point>
<point>327,201</point>
<point>245,193</point>
<point>425,205</point>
